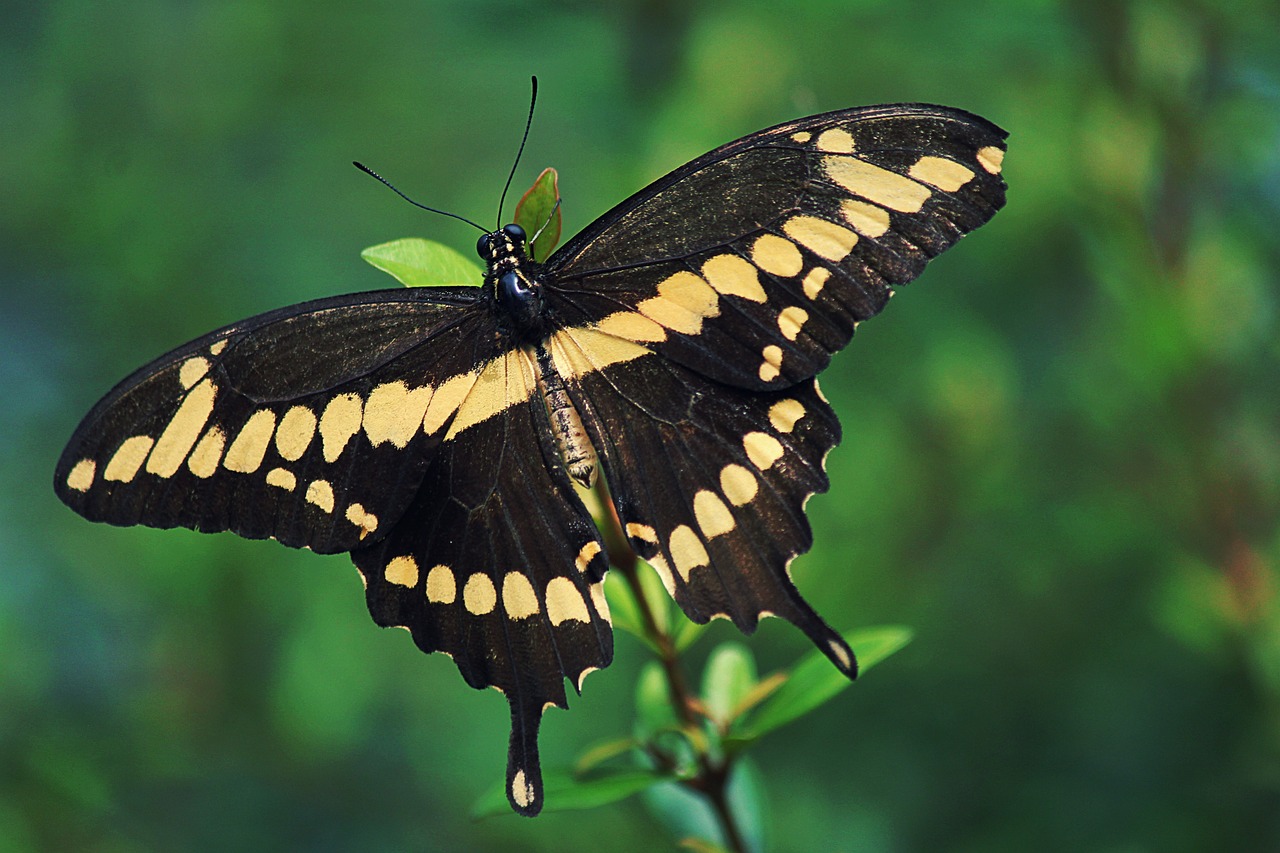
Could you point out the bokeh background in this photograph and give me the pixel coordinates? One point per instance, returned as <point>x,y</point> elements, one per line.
<point>1062,453</point>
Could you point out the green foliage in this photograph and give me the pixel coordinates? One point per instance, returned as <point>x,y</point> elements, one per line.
<point>416,262</point>
<point>538,213</point>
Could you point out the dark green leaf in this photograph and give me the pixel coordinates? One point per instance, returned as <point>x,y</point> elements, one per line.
<point>537,212</point>
<point>423,263</point>
<point>566,793</point>
<point>814,681</point>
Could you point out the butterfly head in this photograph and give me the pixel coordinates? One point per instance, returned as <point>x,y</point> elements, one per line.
<point>517,291</point>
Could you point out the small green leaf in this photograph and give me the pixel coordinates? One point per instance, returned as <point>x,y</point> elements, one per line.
<point>537,211</point>
<point>687,633</point>
<point>814,681</point>
<point>622,606</point>
<point>423,263</point>
<point>594,756</point>
<point>729,676</point>
<point>653,701</point>
<point>565,793</point>
<point>660,604</point>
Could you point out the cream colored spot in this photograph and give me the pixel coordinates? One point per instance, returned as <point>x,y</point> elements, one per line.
<point>126,461</point>
<point>564,602</point>
<point>217,347</point>
<point>815,280</point>
<point>600,601</point>
<point>825,239</point>
<point>632,326</point>
<point>320,493</point>
<point>478,595</point>
<point>504,382</point>
<point>714,518</point>
<point>784,414</point>
<point>790,320</point>
<point>294,434</point>
<point>762,449</point>
<point>360,517</point>
<point>775,255</point>
<point>886,188</point>
<point>246,452</point>
<point>738,484</point>
<point>582,676</point>
<point>402,571</point>
<point>867,219</point>
<point>82,474</point>
<point>192,371</point>
<point>802,136</point>
<point>664,574</point>
<point>818,390</point>
<point>577,351</point>
<point>946,175</point>
<point>393,413</point>
<point>683,300</point>
<point>182,431</point>
<point>204,460</point>
<point>441,586</point>
<point>687,550</point>
<point>282,479</point>
<point>835,140</point>
<point>643,532</point>
<point>991,158</point>
<point>518,598</point>
<point>521,791</point>
<point>841,653</point>
<point>446,400</point>
<point>769,368</point>
<point>730,275</point>
<point>586,555</point>
<point>339,421</point>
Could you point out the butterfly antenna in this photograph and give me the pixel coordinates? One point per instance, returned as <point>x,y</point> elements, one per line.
<point>550,216</point>
<point>362,167</point>
<point>533,99</point>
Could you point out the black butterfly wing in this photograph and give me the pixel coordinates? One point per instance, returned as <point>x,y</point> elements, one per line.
<point>498,564</point>
<point>312,424</point>
<point>698,312</point>
<point>754,263</point>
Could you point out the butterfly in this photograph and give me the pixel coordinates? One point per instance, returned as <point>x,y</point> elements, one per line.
<point>437,434</point>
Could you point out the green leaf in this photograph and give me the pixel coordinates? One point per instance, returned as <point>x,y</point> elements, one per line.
<point>814,681</point>
<point>748,802</point>
<point>594,756</point>
<point>653,701</point>
<point>623,608</point>
<point>729,676</point>
<point>537,211</point>
<point>565,793</point>
<point>687,633</point>
<point>423,263</point>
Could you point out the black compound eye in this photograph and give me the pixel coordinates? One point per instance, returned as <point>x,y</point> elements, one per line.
<point>484,246</point>
<point>515,232</point>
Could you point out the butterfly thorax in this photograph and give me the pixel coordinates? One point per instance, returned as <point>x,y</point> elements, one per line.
<point>511,282</point>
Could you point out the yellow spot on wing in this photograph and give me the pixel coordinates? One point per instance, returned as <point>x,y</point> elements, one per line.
<point>81,476</point>
<point>246,452</point>
<point>282,479</point>
<point>733,276</point>
<point>446,400</point>
<point>204,460</point>
<point>886,188</point>
<point>632,326</point>
<point>504,382</point>
<point>815,280</point>
<point>217,347</point>
<point>775,255</point>
<point>762,449</point>
<point>784,414</point>
<point>791,320</point>
<point>801,136</point>
<point>521,791</point>
<point>683,300</point>
<point>320,493</point>
<point>192,371</point>
<point>564,602</point>
<point>441,586</point>
<point>293,436</point>
<point>946,175</point>
<point>991,158</point>
<point>126,461</point>
<point>643,532</point>
<point>823,238</point>
<point>601,604</point>
<point>738,484</point>
<point>713,516</point>
<point>360,517</point>
<point>340,420</point>
<point>579,350</point>
<point>393,413</point>
<point>664,573</point>
<point>835,140</point>
<point>586,555</point>
<point>402,571</point>
<point>518,598</point>
<point>182,431</point>
<point>769,368</point>
<point>687,550</point>
<point>479,595</point>
<point>867,219</point>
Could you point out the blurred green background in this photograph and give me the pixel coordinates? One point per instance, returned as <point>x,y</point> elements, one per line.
<point>1062,452</point>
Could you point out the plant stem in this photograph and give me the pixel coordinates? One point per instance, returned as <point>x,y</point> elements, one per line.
<point>712,779</point>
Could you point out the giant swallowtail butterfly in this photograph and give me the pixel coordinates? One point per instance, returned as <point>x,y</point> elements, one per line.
<point>436,434</point>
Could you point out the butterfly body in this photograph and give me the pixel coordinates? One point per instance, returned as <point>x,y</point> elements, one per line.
<point>436,434</point>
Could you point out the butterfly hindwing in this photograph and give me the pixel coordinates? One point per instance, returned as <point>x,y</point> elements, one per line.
<point>754,263</point>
